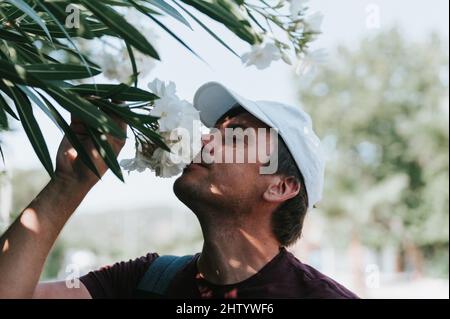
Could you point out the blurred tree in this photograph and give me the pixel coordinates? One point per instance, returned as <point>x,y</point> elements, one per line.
<point>382,110</point>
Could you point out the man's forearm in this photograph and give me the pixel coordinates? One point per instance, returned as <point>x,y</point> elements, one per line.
<point>25,245</point>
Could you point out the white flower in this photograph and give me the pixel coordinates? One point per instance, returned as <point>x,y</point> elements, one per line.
<point>164,165</point>
<point>261,56</point>
<point>308,62</point>
<point>189,116</point>
<point>313,23</point>
<point>169,112</point>
<point>285,57</point>
<point>172,111</point>
<point>168,107</point>
<point>139,163</point>
<point>296,6</point>
<point>162,90</point>
<point>179,127</point>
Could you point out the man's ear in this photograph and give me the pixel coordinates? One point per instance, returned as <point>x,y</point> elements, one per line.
<point>281,189</point>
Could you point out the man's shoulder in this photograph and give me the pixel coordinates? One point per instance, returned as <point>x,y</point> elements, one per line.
<point>118,280</point>
<point>317,285</point>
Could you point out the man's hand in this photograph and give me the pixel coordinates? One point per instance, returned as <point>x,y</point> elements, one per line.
<point>69,166</point>
<point>24,247</point>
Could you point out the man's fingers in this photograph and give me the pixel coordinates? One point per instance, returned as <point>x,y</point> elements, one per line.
<point>77,125</point>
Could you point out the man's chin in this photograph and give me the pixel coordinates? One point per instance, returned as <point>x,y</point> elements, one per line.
<point>184,182</point>
<point>185,187</point>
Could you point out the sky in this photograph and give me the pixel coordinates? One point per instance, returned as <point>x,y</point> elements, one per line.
<point>346,21</point>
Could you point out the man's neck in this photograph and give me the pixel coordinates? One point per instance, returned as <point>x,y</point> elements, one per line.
<point>233,254</point>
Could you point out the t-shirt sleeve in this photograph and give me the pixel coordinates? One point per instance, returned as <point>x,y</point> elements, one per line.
<point>329,289</point>
<point>118,280</point>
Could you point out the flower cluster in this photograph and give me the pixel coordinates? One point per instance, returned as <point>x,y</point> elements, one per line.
<point>179,126</point>
<point>300,28</point>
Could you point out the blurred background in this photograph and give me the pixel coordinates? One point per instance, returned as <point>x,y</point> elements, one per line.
<point>380,101</point>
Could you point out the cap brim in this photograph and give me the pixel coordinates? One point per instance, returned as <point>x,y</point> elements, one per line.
<point>213,100</point>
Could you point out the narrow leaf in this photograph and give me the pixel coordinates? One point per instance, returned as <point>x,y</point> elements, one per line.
<point>135,74</point>
<point>106,152</point>
<point>105,91</point>
<point>86,111</point>
<point>24,7</point>
<point>167,8</point>
<point>60,71</point>
<point>4,105</point>
<point>31,127</point>
<point>215,36</point>
<point>3,119</point>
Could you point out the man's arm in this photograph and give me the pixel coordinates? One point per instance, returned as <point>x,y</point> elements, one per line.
<point>26,244</point>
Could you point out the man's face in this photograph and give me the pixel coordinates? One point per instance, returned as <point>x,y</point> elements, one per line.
<point>235,186</point>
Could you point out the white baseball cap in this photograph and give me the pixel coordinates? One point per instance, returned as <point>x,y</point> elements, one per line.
<point>294,125</point>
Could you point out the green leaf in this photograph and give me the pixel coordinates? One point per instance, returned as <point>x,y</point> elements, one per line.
<point>165,29</point>
<point>86,111</point>
<point>12,14</point>
<point>96,29</point>
<point>37,101</point>
<point>227,13</point>
<point>106,152</point>
<point>60,71</point>
<point>12,36</point>
<point>104,91</point>
<point>215,36</point>
<point>24,7</point>
<point>2,155</point>
<point>163,5</point>
<point>135,74</point>
<point>135,120</point>
<point>63,29</point>
<point>3,119</point>
<point>119,25</point>
<point>16,74</point>
<point>31,127</point>
<point>4,105</point>
<point>27,54</point>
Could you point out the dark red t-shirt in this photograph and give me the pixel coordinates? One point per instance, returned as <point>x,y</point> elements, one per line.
<point>283,277</point>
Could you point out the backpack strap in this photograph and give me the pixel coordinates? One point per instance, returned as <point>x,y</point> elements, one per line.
<point>159,275</point>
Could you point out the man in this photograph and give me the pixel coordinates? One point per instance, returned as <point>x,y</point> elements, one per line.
<point>247,217</point>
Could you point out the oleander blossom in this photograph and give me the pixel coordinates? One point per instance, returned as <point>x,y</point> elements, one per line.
<point>296,6</point>
<point>300,28</point>
<point>313,22</point>
<point>180,129</point>
<point>261,56</point>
